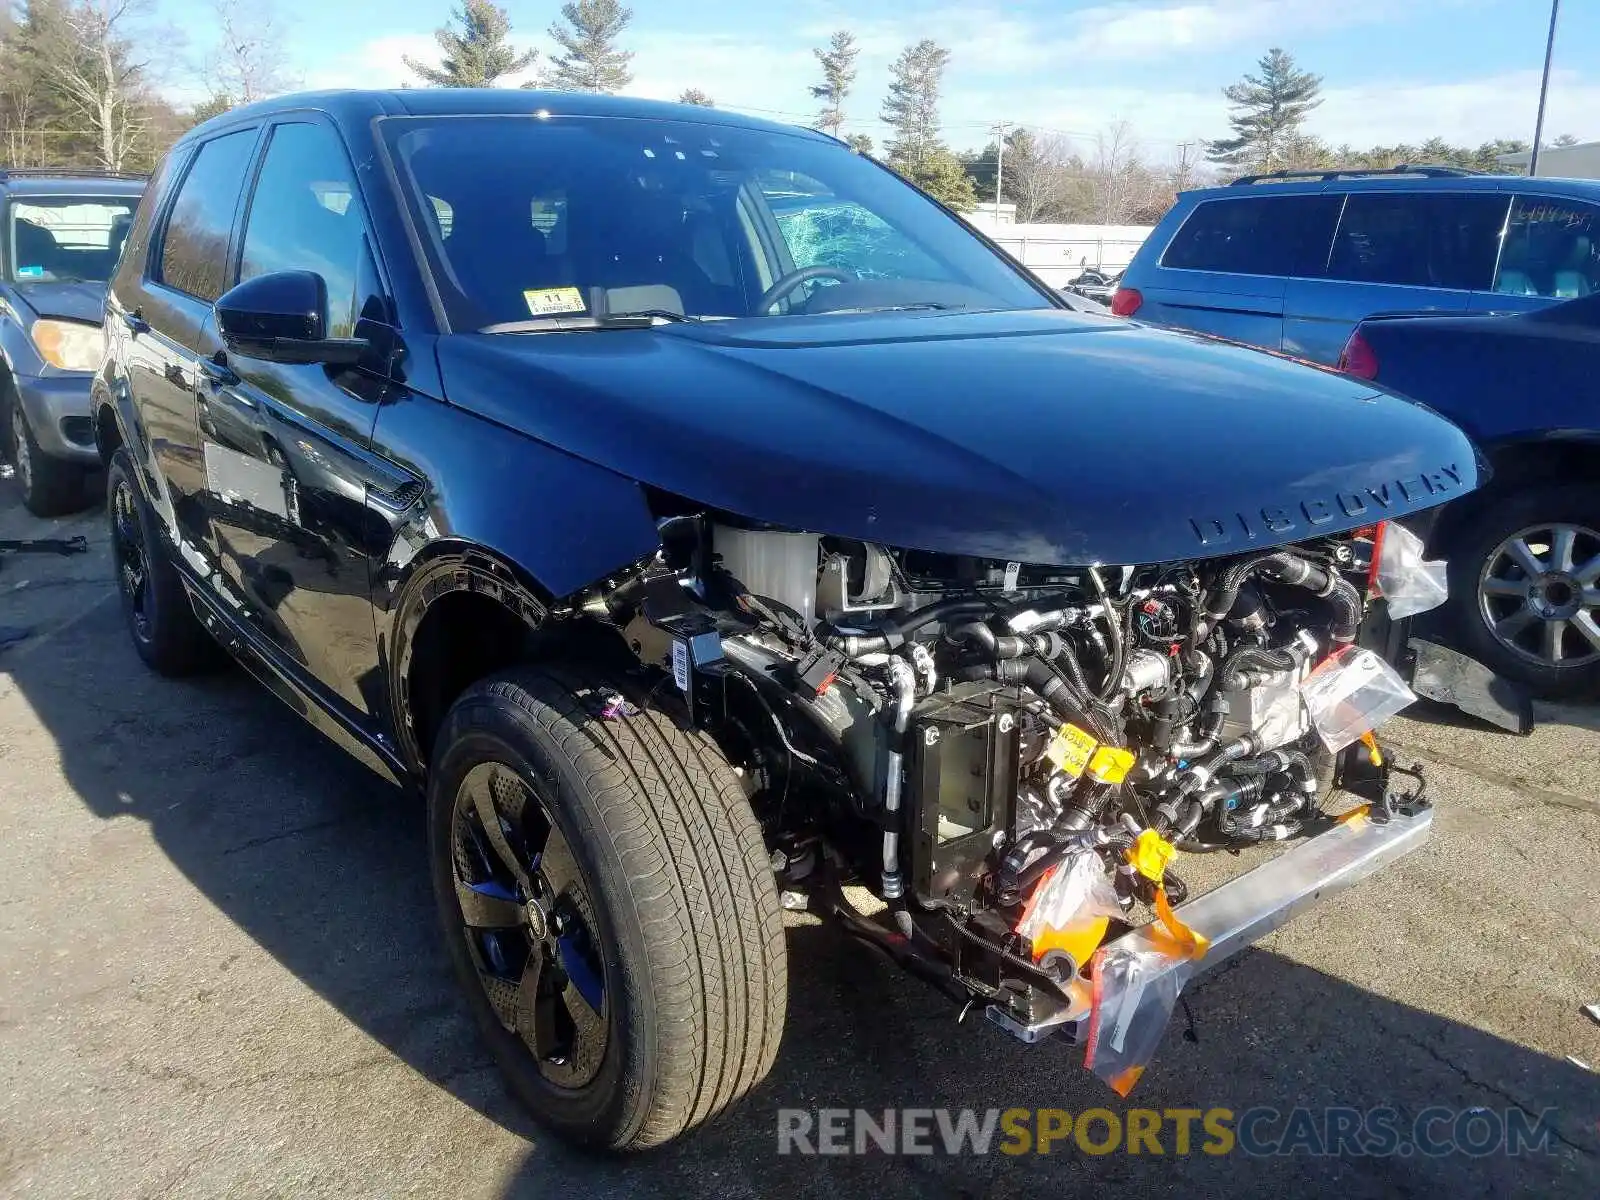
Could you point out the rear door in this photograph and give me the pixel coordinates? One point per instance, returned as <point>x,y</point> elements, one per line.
<point>162,316</point>
<point>1394,251</point>
<point>1224,271</point>
<point>287,447</point>
<point>1551,253</point>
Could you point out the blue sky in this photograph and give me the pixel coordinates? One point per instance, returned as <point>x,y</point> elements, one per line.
<point>1394,70</point>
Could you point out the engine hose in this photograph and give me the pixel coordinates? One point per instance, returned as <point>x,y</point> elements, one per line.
<point>1287,568</point>
<point>1086,808</point>
<point>1113,678</point>
<point>1005,646</point>
<point>1275,762</point>
<point>1246,661</point>
<point>894,633</point>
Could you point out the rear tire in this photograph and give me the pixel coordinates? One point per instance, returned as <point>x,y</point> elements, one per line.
<point>1488,591</point>
<point>50,487</point>
<point>674,892</point>
<point>161,621</point>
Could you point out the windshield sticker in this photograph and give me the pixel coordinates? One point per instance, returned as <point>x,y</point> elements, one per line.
<point>550,302</point>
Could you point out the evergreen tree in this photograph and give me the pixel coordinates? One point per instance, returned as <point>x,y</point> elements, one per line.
<point>838,77</point>
<point>590,61</point>
<point>911,108</point>
<point>477,55</point>
<point>1268,110</point>
<point>940,173</point>
<point>861,143</point>
<point>696,97</point>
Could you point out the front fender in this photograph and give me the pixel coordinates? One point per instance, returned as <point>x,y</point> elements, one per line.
<point>494,512</point>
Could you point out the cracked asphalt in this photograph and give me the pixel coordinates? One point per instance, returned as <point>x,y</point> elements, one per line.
<point>219,975</point>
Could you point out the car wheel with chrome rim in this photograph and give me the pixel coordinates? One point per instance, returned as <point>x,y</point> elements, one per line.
<point>1525,583</point>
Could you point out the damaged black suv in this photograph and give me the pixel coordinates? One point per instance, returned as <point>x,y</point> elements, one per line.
<point>690,509</point>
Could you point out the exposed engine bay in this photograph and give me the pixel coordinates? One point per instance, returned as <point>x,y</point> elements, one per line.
<point>1009,755</point>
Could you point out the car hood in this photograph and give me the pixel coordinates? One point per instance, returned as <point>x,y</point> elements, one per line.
<point>1038,436</point>
<point>71,301</point>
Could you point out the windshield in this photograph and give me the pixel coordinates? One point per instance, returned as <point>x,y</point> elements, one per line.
<point>66,238</point>
<point>525,218</point>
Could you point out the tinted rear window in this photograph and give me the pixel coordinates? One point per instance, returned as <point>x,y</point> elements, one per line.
<point>1419,239</point>
<point>1256,235</point>
<point>194,250</point>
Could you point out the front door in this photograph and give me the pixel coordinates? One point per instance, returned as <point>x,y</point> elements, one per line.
<point>287,447</point>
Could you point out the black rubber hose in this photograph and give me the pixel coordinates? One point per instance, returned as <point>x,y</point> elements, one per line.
<point>1291,569</point>
<point>1275,762</point>
<point>1086,809</point>
<point>1247,659</point>
<point>895,632</point>
<point>1113,679</point>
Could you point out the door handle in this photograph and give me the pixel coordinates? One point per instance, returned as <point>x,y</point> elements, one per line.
<point>135,322</point>
<point>217,371</point>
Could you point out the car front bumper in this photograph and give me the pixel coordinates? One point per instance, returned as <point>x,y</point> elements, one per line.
<point>58,413</point>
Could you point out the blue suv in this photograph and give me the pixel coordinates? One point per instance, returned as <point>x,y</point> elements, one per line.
<point>1292,262</point>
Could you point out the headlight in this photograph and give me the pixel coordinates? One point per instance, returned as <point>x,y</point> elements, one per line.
<point>70,345</point>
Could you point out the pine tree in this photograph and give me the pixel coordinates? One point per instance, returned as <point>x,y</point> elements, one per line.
<point>940,173</point>
<point>477,55</point>
<point>1268,110</point>
<point>838,77</point>
<point>912,107</point>
<point>591,61</point>
<point>696,97</point>
<point>861,143</point>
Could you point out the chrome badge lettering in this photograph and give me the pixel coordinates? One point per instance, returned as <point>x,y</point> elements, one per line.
<point>1280,521</point>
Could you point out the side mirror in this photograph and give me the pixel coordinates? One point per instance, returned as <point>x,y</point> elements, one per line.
<point>282,317</point>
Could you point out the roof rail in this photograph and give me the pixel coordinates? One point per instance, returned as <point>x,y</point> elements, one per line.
<point>1422,171</point>
<point>67,173</point>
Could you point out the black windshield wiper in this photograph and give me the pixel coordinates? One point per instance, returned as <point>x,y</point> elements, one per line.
<point>921,306</point>
<point>642,318</point>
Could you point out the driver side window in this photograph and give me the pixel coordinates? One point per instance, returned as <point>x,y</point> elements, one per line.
<point>822,229</point>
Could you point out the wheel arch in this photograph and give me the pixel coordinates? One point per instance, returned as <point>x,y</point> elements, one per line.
<point>1553,457</point>
<point>464,611</point>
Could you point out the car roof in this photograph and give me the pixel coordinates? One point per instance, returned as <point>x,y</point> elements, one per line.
<point>69,184</point>
<point>1578,189</point>
<point>356,107</point>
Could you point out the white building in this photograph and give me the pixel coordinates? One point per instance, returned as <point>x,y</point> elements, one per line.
<point>1560,162</point>
<point>1059,253</point>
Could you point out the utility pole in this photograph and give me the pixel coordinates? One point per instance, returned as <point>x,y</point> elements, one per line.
<point>1000,130</point>
<point>1544,87</point>
<point>1184,166</point>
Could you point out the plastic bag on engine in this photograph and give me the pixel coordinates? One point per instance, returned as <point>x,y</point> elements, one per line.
<point>1132,1007</point>
<point>1070,907</point>
<point>1352,692</point>
<point>1408,582</point>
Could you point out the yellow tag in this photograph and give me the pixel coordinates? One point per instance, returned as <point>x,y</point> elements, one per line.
<point>1071,749</point>
<point>552,302</point>
<point>1151,854</point>
<point>1111,764</point>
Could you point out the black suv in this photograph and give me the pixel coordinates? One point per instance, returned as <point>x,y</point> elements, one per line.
<point>689,507</point>
<point>61,232</point>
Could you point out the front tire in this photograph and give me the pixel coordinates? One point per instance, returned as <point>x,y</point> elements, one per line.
<point>50,487</point>
<point>1525,588</point>
<point>607,903</point>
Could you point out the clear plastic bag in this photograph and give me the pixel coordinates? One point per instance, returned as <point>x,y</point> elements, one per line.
<point>1134,999</point>
<point>1409,583</point>
<point>1070,907</point>
<point>1352,692</point>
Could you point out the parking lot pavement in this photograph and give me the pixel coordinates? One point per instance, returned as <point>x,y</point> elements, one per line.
<point>219,975</point>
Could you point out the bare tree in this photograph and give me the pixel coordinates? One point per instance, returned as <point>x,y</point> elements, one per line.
<point>93,68</point>
<point>696,97</point>
<point>248,62</point>
<point>1120,186</point>
<point>1038,174</point>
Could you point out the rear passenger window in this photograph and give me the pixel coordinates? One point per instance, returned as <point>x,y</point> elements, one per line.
<point>1256,235</point>
<point>1418,239</point>
<point>194,250</point>
<point>1552,249</point>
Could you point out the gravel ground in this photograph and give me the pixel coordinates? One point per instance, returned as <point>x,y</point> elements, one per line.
<point>219,975</point>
